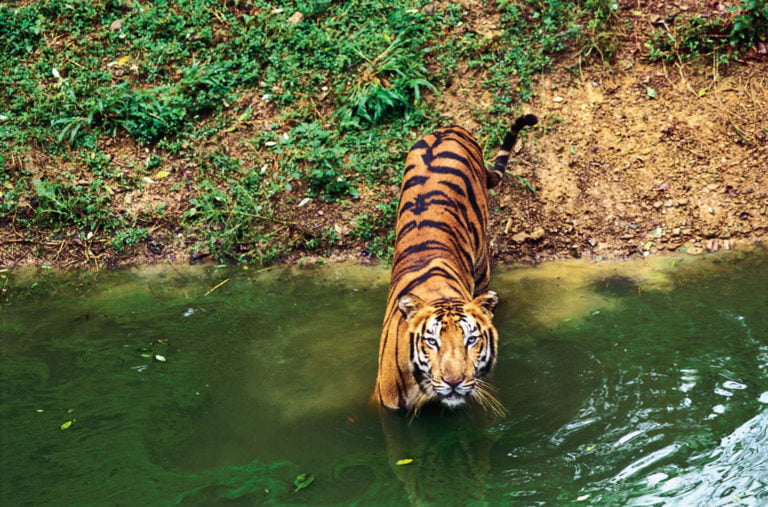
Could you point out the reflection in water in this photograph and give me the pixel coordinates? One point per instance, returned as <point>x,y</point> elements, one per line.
<point>631,383</point>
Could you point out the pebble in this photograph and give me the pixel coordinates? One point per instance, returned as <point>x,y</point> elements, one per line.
<point>296,18</point>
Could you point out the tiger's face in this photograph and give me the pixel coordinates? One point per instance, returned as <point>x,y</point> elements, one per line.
<point>453,345</point>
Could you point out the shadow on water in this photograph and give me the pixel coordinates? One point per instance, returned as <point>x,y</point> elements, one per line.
<point>632,383</point>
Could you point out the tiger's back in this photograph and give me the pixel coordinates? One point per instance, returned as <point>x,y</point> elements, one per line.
<point>438,339</point>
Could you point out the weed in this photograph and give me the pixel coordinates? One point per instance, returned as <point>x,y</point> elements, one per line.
<point>389,85</point>
<point>377,230</point>
<point>750,25</point>
<point>128,237</point>
<point>693,37</point>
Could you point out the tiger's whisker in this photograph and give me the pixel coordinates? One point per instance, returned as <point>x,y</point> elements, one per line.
<point>486,398</point>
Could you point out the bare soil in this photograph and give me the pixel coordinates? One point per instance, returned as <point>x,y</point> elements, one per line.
<point>630,158</point>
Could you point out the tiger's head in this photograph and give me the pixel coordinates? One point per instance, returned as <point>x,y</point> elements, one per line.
<point>453,345</point>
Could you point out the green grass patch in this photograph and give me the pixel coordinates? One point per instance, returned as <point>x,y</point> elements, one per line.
<point>720,38</point>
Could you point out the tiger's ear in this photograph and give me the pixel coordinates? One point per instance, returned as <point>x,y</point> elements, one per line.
<point>487,301</point>
<point>409,305</point>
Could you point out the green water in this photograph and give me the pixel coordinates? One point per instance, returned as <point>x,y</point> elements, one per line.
<point>630,383</point>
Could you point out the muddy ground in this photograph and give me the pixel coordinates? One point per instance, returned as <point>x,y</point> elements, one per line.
<point>630,158</point>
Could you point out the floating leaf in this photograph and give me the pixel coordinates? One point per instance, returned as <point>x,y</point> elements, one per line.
<point>582,498</point>
<point>404,461</point>
<point>651,92</point>
<point>160,358</point>
<point>302,481</point>
<point>68,424</point>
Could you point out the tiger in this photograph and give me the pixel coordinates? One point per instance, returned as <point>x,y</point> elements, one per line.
<point>438,341</point>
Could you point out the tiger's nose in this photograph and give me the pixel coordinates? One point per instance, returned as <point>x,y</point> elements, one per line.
<point>453,381</point>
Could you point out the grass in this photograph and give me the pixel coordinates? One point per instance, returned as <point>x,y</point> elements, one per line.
<point>693,37</point>
<point>323,104</point>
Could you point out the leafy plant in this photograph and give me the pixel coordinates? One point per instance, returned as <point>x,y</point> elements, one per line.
<point>750,25</point>
<point>689,38</point>
<point>389,85</point>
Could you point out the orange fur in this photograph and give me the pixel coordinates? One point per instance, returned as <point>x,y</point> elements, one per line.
<point>438,339</point>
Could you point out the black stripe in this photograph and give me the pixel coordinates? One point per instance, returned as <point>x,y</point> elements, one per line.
<point>456,188</point>
<point>414,181</point>
<point>468,185</point>
<point>422,203</point>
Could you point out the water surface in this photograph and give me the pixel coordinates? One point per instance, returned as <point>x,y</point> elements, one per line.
<point>630,383</point>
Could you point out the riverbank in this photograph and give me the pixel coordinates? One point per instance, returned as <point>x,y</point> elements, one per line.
<point>643,147</point>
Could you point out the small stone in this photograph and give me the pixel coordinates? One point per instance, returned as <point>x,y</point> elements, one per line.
<point>520,237</point>
<point>296,18</point>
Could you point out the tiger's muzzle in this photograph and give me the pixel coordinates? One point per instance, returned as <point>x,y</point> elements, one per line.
<point>453,392</point>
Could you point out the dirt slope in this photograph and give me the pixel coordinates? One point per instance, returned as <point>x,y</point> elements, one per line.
<point>623,173</point>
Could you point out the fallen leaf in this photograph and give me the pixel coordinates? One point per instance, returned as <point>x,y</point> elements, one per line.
<point>404,461</point>
<point>302,481</point>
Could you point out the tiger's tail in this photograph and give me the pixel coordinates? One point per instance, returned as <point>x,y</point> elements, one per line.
<point>499,167</point>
